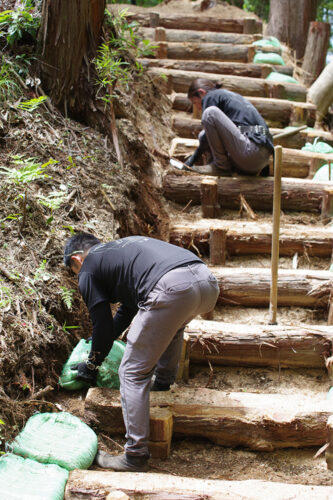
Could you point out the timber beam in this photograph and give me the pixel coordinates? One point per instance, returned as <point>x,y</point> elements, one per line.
<point>231,344</point>
<point>217,67</point>
<point>257,421</point>
<point>92,484</point>
<point>297,194</point>
<point>277,112</point>
<point>195,22</point>
<point>246,86</point>
<point>249,237</point>
<point>250,287</point>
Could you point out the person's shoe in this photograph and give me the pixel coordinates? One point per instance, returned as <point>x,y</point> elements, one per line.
<point>157,386</point>
<point>122,463</point>
<point>212,169</point>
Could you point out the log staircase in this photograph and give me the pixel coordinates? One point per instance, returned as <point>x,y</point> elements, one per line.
<point>221,50</point>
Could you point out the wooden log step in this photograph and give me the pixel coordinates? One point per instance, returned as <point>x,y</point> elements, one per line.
<point>277,112</point>
<point>206,51</point>
<point>246,86</point>
<point>257,421</point>
<point>196,22</point>
<point>89,484</point>
<point>217,67</point>
<point>297,194</point>
<point>250,287</point>
<point>161,34</point>
<point>297,163</point>
<point>246,238</point>
<point>231,344</point>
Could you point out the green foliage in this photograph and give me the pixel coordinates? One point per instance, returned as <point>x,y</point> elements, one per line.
<point>112,62</point>
<point>16,25</point>
<point>325,13</point>
<point>9,89</point>
<point>259,7</point>
<point>32,104</point>
<point>5,297</point>
<point>67,296</point>
<point>54,200</point>
<point>28,172</point>
<point>41,274</point>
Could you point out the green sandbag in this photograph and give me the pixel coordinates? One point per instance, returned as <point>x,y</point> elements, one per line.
<point>25,479</point>
<point>318,147</point>
<point>268,58</point>
<point>274,76</point>
<point>324,173</point>
<point>107,373</point>
<point>270,41</point>
<point>57,438</point>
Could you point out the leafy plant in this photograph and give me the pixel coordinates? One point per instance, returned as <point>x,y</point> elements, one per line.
<point>66,327</point>
<point>28,172</point>
<point>32,104</point>
<point>67,296</point>
<point>5,296</point>
<point>41,274</point>
<point>17,24</point>
<point>8,86</point>
<point>54,200</point>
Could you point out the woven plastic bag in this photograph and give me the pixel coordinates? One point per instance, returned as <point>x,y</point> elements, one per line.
<point>57,438</point>
<point>25,479</point>
<point>270,41</point>
<point>274,76</point>
<point>324,173</point>
<point>318,147</point>
<point>107,373</point>
<point>268,58</point>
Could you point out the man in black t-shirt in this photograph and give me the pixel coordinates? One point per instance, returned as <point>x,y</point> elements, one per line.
<point>160,287</point>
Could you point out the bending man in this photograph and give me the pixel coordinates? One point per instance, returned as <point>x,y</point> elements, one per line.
<point>161,287</point>
<point>234,133</point>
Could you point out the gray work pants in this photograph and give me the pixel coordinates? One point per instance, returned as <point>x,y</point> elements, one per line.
<point>155,340</point>
<point>231,148</point>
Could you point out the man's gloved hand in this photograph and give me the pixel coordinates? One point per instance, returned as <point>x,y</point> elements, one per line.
<point>86,374</point>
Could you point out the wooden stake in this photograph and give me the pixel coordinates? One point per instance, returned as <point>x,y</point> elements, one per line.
<point>327,205</point>
<point>275,235</point>
<point>330,310</point>
<point>209,198</point>
<point>217,246</point>
<point>329,452</point>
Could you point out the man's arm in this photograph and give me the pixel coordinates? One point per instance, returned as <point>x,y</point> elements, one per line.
<point>123,318</point>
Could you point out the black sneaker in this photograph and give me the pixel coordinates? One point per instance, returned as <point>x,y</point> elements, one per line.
<point>157,386</point>
<point>122,463</point>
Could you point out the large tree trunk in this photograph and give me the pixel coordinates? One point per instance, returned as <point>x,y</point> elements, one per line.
<point>315,52</point>
<point>69,36</point>
<point>289,22</point>
<point>321,93</point>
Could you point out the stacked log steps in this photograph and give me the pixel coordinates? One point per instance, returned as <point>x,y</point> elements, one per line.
<point>200,46</point>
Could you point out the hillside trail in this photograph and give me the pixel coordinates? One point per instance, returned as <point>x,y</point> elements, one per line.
<point>235,350</point>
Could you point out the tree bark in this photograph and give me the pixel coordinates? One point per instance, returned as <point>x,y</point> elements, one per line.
<point>297,194</point>
<point>315,53</point>
<point>289,22</point>
<point>230,344</point>
<point>69,36</point>
<point>256,421</point>
<point>321,93</point>
<point>244,238</point>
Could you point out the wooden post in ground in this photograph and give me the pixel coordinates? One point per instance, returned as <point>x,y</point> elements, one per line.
<point>327,205</point>
<point>329,451</point>
<point>161,428</point>
<point>209,198</point>
<point>217,246</point>
<point>330,310</point>
<point>275,234</point>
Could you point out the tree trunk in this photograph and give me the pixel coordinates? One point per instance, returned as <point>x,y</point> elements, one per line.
<point>297,194</point>
<point>93,484</point>
<point>256,421</point>
<point>321,93</point>
<point>69,36</point>
<point>289,22</point>
<point>253,238</point>
<point>315,52</point>
<point>230,344</point>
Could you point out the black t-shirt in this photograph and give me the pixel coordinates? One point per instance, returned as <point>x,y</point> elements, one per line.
<point>240,111</point>
<point>127,269</point>
<point>124,271</point>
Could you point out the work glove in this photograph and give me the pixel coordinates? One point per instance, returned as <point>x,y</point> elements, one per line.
<point>85,373</point>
